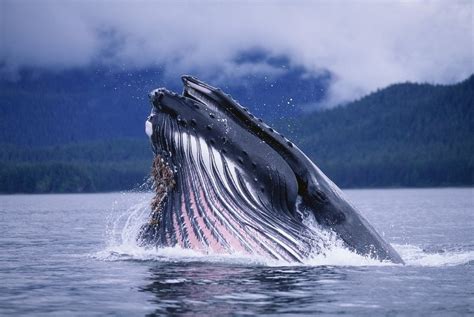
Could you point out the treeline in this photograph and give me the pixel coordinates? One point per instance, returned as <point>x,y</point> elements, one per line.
<point>93,167</point>
<point>58,177</point>
<point>80,105</point>
<point>403,135</point>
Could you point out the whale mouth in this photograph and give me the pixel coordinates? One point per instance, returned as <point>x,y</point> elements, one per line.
<point>226,182</point>
<point>213,191</point>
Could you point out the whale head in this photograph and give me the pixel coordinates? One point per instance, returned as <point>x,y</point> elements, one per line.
<point>227,182</point>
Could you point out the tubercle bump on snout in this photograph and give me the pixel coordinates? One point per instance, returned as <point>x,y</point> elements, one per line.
<point>241,113</point>
<point>157,94</point>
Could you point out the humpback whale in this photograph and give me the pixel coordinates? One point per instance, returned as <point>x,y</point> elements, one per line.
<point>227,182</point>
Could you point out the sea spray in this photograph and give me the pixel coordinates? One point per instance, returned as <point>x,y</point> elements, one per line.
<point>125,224</point>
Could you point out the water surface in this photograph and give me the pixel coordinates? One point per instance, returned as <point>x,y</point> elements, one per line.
<point>75,255</point>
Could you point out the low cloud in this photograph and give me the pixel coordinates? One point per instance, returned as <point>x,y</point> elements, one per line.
<point>363,45</point>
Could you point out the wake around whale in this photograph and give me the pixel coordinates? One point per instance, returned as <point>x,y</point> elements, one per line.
<point>226,182</point>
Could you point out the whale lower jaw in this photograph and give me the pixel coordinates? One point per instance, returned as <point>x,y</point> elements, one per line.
<point>210,207</point>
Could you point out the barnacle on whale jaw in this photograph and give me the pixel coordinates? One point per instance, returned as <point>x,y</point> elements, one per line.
<point>163,181</point>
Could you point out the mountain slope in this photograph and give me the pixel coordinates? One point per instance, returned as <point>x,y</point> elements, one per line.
<point>403,135</point>
<point>51,108</point>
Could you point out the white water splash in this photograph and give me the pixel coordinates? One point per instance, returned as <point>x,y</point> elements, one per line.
<point>416,256</point>
<point>123,229</point>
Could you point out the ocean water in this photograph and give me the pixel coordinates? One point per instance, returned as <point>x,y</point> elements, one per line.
<point>75,255</point>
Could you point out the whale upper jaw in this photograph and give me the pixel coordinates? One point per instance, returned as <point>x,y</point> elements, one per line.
<point>231,129</point>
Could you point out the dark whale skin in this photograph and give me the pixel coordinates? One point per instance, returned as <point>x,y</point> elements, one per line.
<point>274,166</point>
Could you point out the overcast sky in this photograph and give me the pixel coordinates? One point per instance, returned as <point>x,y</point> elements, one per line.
<point>364,44</point>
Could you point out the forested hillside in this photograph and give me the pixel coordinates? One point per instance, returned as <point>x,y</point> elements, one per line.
<point>52,108</point>
<point>110,165</point>
<point>403,135</point>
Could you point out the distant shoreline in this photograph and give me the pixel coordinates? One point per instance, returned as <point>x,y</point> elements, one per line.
<point>402,136</point>
<point>131,191</point>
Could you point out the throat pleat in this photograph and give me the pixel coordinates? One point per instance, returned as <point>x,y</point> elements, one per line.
<point>214,208</point>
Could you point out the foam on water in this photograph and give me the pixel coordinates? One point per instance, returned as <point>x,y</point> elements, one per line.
<point>123,228</point>
<point>416,256</point>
